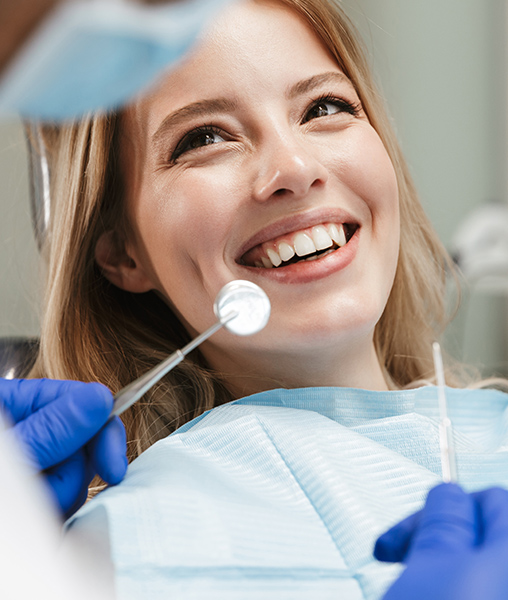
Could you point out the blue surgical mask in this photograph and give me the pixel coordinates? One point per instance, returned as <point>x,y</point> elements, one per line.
<point>96,54</point>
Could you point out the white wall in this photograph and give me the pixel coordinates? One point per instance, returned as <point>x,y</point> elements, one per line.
<point>19,279</point>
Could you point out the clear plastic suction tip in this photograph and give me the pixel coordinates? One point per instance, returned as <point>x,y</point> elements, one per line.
<point>248,301</point>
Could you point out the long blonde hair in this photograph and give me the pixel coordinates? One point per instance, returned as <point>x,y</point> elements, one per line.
<point>92,330</point>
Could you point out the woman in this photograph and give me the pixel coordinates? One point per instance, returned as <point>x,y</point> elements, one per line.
<point>92,330</point>
<point>266,156</point>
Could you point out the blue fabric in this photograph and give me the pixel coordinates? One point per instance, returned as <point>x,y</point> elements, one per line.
<point>282,494</point>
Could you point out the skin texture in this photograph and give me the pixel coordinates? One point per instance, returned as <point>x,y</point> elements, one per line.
<point>272,163</point>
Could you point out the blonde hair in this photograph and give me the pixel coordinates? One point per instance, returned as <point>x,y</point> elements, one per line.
<point>92,330</point>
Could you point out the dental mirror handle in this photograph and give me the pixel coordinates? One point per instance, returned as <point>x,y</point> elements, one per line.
<point>131,393</point>
<point>446,442</point>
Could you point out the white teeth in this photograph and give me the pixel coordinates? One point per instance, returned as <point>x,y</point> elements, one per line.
<point>286,251</point>
<point>274,257</point>
<point>321,238</point>
<point>337,234</point>
<point>303,244</point>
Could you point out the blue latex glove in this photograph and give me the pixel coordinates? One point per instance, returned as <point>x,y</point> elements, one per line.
<point>61,426</point>
<point>455,548</point>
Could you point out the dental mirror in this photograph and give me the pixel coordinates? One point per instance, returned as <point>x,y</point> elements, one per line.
<point>241,307</point>
<point>248,301</point>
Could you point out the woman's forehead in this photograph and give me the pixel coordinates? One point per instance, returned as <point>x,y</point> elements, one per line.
<point>251,48</point>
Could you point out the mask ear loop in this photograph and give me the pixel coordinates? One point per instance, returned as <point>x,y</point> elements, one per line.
<point>39,174</point>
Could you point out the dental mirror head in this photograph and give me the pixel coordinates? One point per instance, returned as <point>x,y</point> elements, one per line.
<point>248,301</point>
<point>241,307</point>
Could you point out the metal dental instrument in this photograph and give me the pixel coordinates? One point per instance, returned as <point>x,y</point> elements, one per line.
<point>242,308</point>
<point>448,461</point>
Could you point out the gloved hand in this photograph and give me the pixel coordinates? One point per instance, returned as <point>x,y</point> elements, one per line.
<point>61,426</point>
<point>455,548</point>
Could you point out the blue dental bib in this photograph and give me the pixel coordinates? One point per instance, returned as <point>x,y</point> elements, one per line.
<point>282,494</point>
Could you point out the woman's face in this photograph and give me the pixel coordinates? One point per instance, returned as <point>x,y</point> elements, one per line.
<point>254,160</point>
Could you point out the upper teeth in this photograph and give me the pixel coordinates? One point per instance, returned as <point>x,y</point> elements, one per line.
<point>319,238</point>
<point>338,234</point>
<point>286,252</point>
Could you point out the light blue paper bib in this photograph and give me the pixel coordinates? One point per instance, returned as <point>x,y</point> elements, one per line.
<point>281,495</point>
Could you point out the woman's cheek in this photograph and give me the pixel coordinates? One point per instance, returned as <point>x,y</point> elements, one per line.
<point>210,192</point>
<point>368,171</point>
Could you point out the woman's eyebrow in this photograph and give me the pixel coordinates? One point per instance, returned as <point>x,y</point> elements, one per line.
<point>223,105</point>
<point>196,109</point>
<point>306,85</point>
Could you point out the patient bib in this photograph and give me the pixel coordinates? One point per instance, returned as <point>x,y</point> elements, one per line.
<point>281,495</point>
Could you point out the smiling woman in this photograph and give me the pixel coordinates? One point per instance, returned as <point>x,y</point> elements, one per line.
<point>265,155</point>
<point>229,181</point>
<point>268,152</point>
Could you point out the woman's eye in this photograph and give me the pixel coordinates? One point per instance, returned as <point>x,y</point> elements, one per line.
<point>197,139</point>
<point>325,108</point>
<point>204,139</point>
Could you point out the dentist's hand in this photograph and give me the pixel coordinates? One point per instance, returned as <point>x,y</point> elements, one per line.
<point>64,428</point>
<point>455,548</point>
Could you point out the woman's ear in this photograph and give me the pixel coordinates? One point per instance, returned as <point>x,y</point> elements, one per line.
<point>118,267</point>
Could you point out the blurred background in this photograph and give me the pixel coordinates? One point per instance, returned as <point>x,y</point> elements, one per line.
<point>442,68</point>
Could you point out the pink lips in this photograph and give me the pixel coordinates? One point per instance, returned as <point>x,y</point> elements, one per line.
<point>295,223</point>
<point>305,270</point>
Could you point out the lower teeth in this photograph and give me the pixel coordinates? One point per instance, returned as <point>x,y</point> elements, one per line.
<point>316,256</point>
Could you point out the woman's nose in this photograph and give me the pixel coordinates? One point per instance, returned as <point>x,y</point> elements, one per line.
<point>287,169</point>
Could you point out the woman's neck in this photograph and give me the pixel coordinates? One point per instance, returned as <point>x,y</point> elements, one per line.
<point>356,367</point>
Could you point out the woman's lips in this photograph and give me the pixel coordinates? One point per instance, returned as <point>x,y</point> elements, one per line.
<point>313,267</point>
<point>309,244</point>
